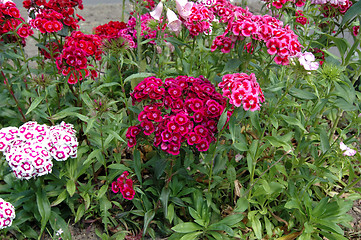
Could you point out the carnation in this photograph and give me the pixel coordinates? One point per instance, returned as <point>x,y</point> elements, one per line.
<point>7,214</point>
<point>29,149</point>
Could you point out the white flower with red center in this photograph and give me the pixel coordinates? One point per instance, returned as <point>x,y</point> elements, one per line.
<point>7,214</point>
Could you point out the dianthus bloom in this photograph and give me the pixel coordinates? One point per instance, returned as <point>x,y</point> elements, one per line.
<point>300,18</point>
<point>355,30</point>
<point>11,21</point>
<point>242,25</point>
<point>53,15</point>
<point>332,8</point>
<point>307,60</point>
<point>78,49</point>
<point>7,214</point>
<point>346,150</point>
<point>182,110</point>
<point>114,30</point>
<point>30,148</point>
<point>242,90</point>
<point>124,186</point>
<point>199,20</point>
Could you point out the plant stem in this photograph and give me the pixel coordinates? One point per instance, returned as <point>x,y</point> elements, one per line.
<point>8,85</point>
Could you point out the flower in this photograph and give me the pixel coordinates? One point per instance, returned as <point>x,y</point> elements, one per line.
<point>347,151</point>
<point>174,24</point>
<point>157,12</point>
<point>59,232</point>
<point>307,60</point>
<point>30,148</point>
<point>7,214</point>
<point>124,186</point>
<point>184,8</point>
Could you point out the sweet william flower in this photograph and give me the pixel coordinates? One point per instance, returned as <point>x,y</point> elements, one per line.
<point>157,12</point>
<point>174,24</point>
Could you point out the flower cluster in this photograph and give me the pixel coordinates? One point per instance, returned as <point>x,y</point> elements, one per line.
<point>30,148</point>
<point>7,214</point>
<point>242,90</point>
<point>332,8</point>
<point>11,21</point>
<point>242,25</point>
<point>300,18</point>
<point>124,186</point>
<point>182,109</point>
<point>77,49</point>
<point>115,30</point>
<point>355,30</point>
<point>278,4</point>
<point>50,16</point>
<point>199,20</point>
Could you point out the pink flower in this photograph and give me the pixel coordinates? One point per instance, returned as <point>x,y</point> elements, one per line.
<point>184,8</point>
<point>157,12</point>
<point>174,24</point>
<point>347,151</point>
<point>307,60</point>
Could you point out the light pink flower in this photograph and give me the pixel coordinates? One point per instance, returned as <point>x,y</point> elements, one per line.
<point>174,23</point>
<point>157,12</point>
<point>307,60</point>
<point>347,151</point>
<point>184,8</point>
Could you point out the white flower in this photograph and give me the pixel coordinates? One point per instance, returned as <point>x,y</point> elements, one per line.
<point>59,232</point>
<point>157,12</point>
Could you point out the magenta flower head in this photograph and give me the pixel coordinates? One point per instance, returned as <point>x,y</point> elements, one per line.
<point>174,24</point>
<point>7,214</point>
<point>157,12</point>
<point>124,186</point>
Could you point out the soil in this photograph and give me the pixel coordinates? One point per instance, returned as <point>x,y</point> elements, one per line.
<point>98,14</point>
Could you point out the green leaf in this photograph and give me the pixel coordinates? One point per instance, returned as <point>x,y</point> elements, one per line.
<point>232,64</point>
<point>102,191</point>
<point>325,144</point>
<point>231,174</point>
<point>57,223</point>
<point>191,236</point>
<point>233,219</point>
<point>340,43</point>
<point>164,198</point>
<point>256,224</point>
<point>87,100</point>
<point>293,121</point>
<point>148,217</point>
<point>344,105</point>
<point>70,187</point>
<point>186,227</point>
<point>277,142</point>
<point>137,165</point>
<point>138,76</point>
<point>79,213</point>
<point>60,198</point>
<point>352,12</point>
<point>221,227</point>
<point>242,205</point>
<point>222,120</point>
<point>43,207</point>
<point>302,94</point>
<point>34,104</point>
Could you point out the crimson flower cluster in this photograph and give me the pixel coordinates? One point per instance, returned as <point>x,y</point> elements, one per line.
<point>124,186</point>
<point>300,18</point>
<point>7,214</point>
<point>278,4</point>
<point>115,30</point>
<point>77,50</point>
<point>242,90</point>
<point>30,148</point>
<point>10,20</point>
<point>335,8</point>
<point>355,30</point>
<point>50,16</point>
<point>199,20</point>
<point>181,110</point>
<point>241,24</point>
